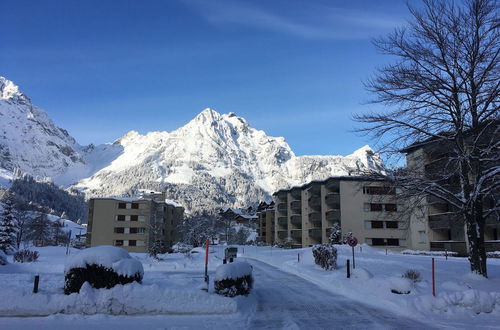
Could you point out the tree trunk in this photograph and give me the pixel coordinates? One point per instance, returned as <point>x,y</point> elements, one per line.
<point>475,235</point>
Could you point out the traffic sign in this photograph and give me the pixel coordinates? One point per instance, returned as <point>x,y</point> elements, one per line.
<point>352,242</point>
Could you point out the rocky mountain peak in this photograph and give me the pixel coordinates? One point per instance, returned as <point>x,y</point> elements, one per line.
<point>10,92</point>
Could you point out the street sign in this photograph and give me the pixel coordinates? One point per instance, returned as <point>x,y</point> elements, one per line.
<point>352,242</point>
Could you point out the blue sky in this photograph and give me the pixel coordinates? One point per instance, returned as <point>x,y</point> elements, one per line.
<point>291,68</point>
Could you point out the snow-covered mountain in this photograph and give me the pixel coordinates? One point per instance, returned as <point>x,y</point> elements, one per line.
<point>29,140</point>
<point>215,159</point>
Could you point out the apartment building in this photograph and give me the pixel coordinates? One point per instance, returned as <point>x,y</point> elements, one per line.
<point>436,225</point>
<point>266,224</point>
<point>133,223</point>
<point>368,208</point>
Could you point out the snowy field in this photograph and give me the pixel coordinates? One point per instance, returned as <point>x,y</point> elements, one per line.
<point>171,296</point>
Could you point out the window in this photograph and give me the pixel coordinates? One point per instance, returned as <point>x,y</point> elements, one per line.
<point>142,218</point>
<point>375,207</point>
<point>378,241</point>
<point>393,242</point>
<point>122,205</point>
<point>391,207</point>
<point>132,242</point>
<point>133,230</point>
<point>134,218</point>
<point>141,230</point>
<point>120,217</point>
<point>371,190</point>
<point>119,242</point>
<point>377,224</point>
<point>119,230</point>
<point>391,224</point>
<point>141,243</point>
<point>422,237</point>
<point>135,205</point>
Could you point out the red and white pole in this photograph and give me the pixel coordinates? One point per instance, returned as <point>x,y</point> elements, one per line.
<point>433,279</point>
<point>207,244</point>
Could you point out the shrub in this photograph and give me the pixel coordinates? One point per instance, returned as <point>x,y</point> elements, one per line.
<point>26,256</point>
<point>325,255</point>
<point>233,279</point>
<point>101,267</point>
<point>412,275</point>
<point>98,277</point>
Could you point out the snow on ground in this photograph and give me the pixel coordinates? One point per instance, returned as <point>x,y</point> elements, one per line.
<point>463,299</point>
<point>171,286</point>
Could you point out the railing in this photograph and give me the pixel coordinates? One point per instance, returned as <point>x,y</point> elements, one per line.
<point>454,246</point>
<point>332,198</point>
<point>332,215</point>
<point>443,221</point>
<point>296,219</point>
<point>315,217</point>
<point>296,233</point>
<point>314,201</point>
<point>282,206</point>
<point>315,232</point>
<point>283,221</point>
<point>296,206</point>
<point>282,234</point>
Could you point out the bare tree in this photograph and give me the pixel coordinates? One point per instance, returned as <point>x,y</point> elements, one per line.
<point>444,89</point>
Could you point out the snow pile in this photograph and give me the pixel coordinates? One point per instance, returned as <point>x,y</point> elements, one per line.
<point>130,299</point>
<point>453,302</point>
<point>400,285</point>
<point>106,256</point>
<point>233,270</point>
<point>429,253</point>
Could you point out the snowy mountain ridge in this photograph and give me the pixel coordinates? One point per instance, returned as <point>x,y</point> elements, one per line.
<point>214,160</point>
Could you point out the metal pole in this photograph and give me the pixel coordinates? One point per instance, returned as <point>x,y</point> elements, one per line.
<point>433,279</point>
<point>348,269</point>
<point>207,243</point>
<point>35,285</point>
<point>69,240</point>
<point>298,257</point>
<point>353,262</point>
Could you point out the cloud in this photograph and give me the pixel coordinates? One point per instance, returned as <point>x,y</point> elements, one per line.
<point>310,21</point>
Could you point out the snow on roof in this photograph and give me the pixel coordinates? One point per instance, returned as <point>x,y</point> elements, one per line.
<point>233,270</point>
<point>172,202</point>
<point>139,199</point>
<point>107,256</point>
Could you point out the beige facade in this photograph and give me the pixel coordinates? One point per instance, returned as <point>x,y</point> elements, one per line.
<point>133,223</point>
<point>305,215</point>
<point>266,226</point>
<point>435,224</point>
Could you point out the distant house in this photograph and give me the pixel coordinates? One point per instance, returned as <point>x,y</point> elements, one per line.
<point>238,215</point>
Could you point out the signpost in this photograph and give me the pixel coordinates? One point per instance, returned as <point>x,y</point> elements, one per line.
<point>352,242</point>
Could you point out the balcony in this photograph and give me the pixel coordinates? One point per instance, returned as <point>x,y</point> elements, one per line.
<point>332,199</point>
<point>283,221</point>
<point>296,193</point>
<point>282,234</point>
<point>314,190</point>
<point>296,207</point>
<point>296,233</point>
<point>443,221</point>
<point>296,220</point>
<point>453,246</point>
<point>315,202</point>
<point>333,215</point>
<point>315,217</point>
<point>333,186</point>
<point>282,206</point>
<point>315,233</point>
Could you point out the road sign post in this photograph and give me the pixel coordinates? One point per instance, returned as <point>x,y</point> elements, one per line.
<point>352,242</point>
<point>207,243</point>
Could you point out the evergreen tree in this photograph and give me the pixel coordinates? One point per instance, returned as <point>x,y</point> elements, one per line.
<point>8,228</point>
<point>40,231</point>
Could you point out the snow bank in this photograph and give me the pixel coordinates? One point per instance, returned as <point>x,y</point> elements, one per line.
<point>429,253</point>
<point>233,270</point>
<point>130,299</point>
<point>454,302</point>
<point>107,256</point>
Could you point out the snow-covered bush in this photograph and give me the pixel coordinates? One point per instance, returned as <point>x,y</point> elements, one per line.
<point>233,279</point>
<point>400,285</point>
<point>25,256</point>
<point>3,258</point>
<point>181,247</point>
<point>325,255</point>
<point>413,275</point>
<point>101,267</point>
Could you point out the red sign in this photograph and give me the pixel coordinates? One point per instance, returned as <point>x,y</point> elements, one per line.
<point>352,242</point>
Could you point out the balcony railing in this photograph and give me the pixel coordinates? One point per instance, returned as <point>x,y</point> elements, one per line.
<point>296,233</point>
<point>296,193</point>
<point>282,234</point>
<point>314,201</point>
<point>315,217</point>
<point>332,215</point>
<point>315,232</point>
<point>283,221</point>
<point>453,246</point>
<point>296,220</point>
<point>296,206</point>
<point>332,198</point>
<point>444,220</point>
<point>282,206</point>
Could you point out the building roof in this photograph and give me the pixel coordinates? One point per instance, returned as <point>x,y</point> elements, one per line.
<point>339,178</point>
<point>140,199</point>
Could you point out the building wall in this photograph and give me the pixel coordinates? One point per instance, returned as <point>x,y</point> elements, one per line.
<point>105,228</point>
